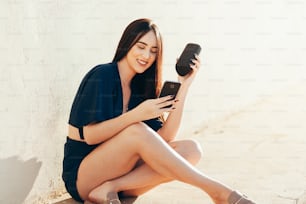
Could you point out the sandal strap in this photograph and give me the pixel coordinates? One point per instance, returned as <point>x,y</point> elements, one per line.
<point>115,200</point>
<point>237,202</point>
<point>238,198</point>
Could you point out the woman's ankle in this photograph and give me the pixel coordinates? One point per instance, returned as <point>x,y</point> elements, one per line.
<point>221,197</point>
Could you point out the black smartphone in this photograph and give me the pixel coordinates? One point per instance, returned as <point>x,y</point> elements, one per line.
<point>183,64</point>
<point>170,88</point>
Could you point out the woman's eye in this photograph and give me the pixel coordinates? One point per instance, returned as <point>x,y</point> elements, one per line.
<point>154,50</point>
<point>141,47</point>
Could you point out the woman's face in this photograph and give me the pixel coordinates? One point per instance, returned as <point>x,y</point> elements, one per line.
<point>143,54</point>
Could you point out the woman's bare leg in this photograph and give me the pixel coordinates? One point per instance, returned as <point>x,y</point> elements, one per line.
<point>143,178</point>
<point>117,157</point>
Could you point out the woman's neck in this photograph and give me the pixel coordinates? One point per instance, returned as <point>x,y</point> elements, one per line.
<point>125,72</point>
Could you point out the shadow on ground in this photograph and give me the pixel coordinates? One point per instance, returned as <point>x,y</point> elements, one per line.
<point>17,178</point>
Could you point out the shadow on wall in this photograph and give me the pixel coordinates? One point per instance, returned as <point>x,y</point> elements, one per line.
<point>17,178</point>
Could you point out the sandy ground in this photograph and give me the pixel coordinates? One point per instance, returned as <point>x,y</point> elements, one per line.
<point>259,151</point>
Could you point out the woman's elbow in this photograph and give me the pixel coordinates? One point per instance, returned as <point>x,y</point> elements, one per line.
<point>89,137</point>
<point>89,140</point>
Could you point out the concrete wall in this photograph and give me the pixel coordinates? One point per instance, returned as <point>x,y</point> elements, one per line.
<point>250,50</point>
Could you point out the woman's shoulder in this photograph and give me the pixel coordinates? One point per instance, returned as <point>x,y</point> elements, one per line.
<point>102,72</point>
<point>104,69</point>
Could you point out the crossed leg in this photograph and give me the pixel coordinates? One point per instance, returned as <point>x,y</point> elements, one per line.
<point>143,178</point>
<point>110,167</point>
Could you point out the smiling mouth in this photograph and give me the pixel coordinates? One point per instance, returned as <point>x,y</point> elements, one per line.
<point>142,62</point>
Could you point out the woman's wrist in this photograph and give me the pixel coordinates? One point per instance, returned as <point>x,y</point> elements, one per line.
<point>183,91</point>
<point>185,86</point>
<point>131,116</point>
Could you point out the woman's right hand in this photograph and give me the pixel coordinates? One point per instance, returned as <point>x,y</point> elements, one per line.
<point>153,108</point>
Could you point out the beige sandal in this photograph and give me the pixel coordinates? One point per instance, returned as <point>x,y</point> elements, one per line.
<point>238,198</point>
<point>112,198</point>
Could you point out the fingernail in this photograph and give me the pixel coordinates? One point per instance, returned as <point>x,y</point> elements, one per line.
<point>176,100</point>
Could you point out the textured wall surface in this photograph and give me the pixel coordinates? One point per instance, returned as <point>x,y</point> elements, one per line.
<point>250,50</point>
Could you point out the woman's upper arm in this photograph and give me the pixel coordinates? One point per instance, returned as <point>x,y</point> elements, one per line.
<point>93,102</point>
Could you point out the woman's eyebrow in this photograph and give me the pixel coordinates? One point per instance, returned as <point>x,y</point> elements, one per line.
<point>146,44</point>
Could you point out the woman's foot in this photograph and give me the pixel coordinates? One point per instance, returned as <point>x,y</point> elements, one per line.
<point>231,197</point>
<point>112,198</point>
<point>104,194</point>
<point>238,198</point>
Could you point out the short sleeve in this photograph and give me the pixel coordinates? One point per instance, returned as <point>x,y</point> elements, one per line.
<point>94,101</point>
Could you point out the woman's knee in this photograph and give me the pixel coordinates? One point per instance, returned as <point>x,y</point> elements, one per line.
<point>190,149</point>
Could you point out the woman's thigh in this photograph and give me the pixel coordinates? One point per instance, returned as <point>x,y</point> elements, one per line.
<point>113,158</point>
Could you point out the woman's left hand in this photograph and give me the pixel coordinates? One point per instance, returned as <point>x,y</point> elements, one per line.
<point>187,79</point>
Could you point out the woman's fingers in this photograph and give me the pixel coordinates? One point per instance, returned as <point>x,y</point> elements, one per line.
<point>161,104</point>
<point>197,58</point>
<point>153,108</point>
<point>196,62</point>
<point>164,99</point>
<point>166,104</point>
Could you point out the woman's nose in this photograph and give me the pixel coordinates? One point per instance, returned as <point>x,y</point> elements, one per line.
<point>146,54</point>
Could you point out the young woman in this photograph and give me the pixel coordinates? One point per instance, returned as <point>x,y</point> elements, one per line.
<point>118,141</point>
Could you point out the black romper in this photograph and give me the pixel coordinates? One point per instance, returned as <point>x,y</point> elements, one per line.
<point>98,98</point>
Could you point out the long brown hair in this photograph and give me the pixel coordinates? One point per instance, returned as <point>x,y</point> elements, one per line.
<point>148,84</point>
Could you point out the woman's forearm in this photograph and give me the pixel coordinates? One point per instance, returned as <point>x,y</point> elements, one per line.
<point>148,109</point>
<point>99,132</point>
<point>172,124</point>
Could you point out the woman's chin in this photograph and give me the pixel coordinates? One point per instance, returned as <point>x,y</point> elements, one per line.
<point>141,69</point>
